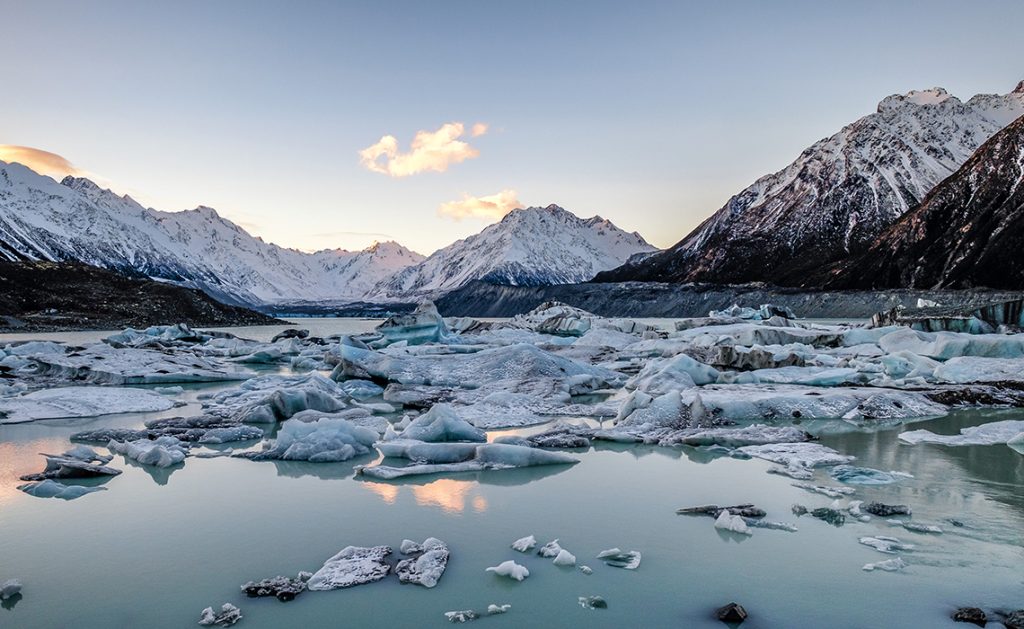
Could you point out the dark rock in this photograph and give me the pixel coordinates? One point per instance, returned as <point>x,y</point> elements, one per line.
<point>290,333</point>
<point>971,615</point>
<point>284,588</point>
<point>1014,620</point>
<point>883,510</point>
<point>744,510</point>
<point>731,613</point>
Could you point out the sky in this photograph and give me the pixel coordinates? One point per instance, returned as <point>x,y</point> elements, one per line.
<point>333,124</point>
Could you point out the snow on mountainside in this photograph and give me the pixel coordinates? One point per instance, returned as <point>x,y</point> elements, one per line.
<point>528,247</point>
<point>837,196</point>
<point>41,219</point>
<point>967,233</point>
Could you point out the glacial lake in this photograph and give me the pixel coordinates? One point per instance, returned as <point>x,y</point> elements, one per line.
<point>158,546</point>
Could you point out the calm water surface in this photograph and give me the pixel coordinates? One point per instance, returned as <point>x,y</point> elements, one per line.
<point>158,546</point>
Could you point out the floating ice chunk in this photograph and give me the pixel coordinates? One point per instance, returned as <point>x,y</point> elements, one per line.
<point>799,455</point>
<point>74,402</point>
<point>564,558</point>
<point>678,372</point>
<point>917,527</point>
<point>586,570</point>
<point>747,510</point>
<point>551,549</point>
<point>283,588</point>
<point>863,475</point>
<point>323,441</point>
<point>771,525</point>
<point>491,456</point>
<point>593,602</point>
<point>352,566</point>
<point>889,565</point>
<point>797,472</point>
<point>161,452</point>
<point>885,544</point>
<point>52,489</point>
<point>493,609</point>
<point>103,364</point>
<point>524,544</point>
<point>427,566</point>
<point>227,616</point>
<point>422,325</point>
<point>630,560</point>
<point>78,462</point>
<point>273,398</point>
<point>362,389</point>
<point>422,452</point>
<point>9,589</point>
<point>757,434</point>
<point>510,569</point>
<point>175,390</point>
<point>441,424</point>
<point>461,615</point>
<point>984,435</point>
<point>884,510</point>
<point>831,492</point>
<point>734,523</point>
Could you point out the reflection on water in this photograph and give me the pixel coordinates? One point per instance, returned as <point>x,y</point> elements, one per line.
<point>451,495</point>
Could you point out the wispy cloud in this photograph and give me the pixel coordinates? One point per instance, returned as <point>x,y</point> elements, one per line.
<point>492,207</point>
<point>429,151</point>
<point>43,162</point>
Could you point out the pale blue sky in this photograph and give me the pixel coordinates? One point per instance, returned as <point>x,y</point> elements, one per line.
<point>650,114</point>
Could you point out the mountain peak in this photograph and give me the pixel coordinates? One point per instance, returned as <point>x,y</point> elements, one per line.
<point>934,96</point>
<point>80,183</point>
<point>1019,89</point>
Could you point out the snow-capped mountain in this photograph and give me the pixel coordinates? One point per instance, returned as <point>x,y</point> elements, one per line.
<point>41,219</point>
<point>968,232</point>
<point>838,195</point>
<point>528,247</point>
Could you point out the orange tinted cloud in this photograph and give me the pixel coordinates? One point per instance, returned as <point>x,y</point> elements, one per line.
<point>43,162</point>
<point>429,151</point>
<point>492,207</point>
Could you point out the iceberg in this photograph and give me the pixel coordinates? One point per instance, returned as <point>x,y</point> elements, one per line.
<point>273,398</point>
<point>227,616</point>
<point>442,424</point>
<point>325,440</point>
<point>984,435</point>
<point>428,564</point>
<point>352,566</point>
<point>797,455</point>
<point>564,558</point>
<point>510,569</point>
<point>733,523</point>
<point>160,452</point>
<point>678,372</point>
<point>853,475</point>
<point>76,402</point>
<point>78,462</point>
<point>884,544</point>
<point>524,544</point>
<point>593,602</point>
<point>889,565</point>
<point>52,489</point>
<point>103,364</point>
<point>9,589</point>
<point>283,588</point>
<point>629,560</point>
<point>491,456</point>
<point>422,325</point>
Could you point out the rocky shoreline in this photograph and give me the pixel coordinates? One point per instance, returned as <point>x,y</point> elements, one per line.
<point>659,299</point>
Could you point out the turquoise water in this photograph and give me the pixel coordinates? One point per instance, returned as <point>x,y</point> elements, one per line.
<point>157,547</point>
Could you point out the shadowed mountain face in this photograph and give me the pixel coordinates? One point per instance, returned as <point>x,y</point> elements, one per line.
<point>968,232</point>
<point>837,196</point>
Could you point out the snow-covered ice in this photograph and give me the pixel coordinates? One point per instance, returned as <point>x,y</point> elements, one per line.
<point>984,435</point>
<point>428,564</point>
<point>510,569</point>
<point>322,441</point>
<point>352,566</point>
<point>160,452</point>
<point>76,402</point>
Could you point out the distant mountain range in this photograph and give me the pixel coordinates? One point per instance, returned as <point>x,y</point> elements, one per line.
<point>528,247</point>
<point>837,197</point>
<point>967,233</point>
<point>75,220</point>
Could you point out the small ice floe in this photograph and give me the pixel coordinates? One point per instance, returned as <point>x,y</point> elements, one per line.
<point>883,510</point>
<point>426,566</point>
<point>326,440</point>
<point>422,325</point>
<point>551,549</point>
<point>593,602</point>
<point>227,616</point>
<point>831,492</point>
<point>885,544</point>
<point>797,472</point>
<point>175,390</point>
<point>524,544</point>
<point>833,515</point>
<point>586,570</point>
<point>629,560</point>
<point>354,565</point>
<point>770,525</point>
<point>853,508</point>
<point>77,402</point>
<point>9,589</point>
<point>489,456</point>
<point>493,609</point>
<point>797,455</point>
<point>889,565</point>
<point>853,475</point>
<point>273,398</point>
<point>52,489</point>
<point>467,615</point>
<point>917,527</point>
<point>78,462</point>
<point>510,569</point>
<point>103,364</point>
<point>160,452</point>
<point>984,435</point>
<point>733,523</point>
<point>283,588</point>
<point>564,558</point>
<point>441,424</point>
